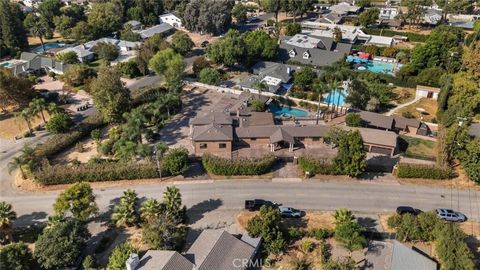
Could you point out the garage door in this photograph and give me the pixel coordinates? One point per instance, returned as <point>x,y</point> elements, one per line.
<point>381,150</point>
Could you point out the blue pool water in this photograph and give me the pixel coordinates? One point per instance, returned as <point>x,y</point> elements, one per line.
<point>373,66</point>
<point>286,111</point>
<point>48,46</point>
<point>336,98</point>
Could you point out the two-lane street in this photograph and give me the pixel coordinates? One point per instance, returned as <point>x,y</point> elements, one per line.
<point>368,198</point>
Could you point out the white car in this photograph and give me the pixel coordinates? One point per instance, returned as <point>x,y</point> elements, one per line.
<point>289,212</point>
<point>450,215</point>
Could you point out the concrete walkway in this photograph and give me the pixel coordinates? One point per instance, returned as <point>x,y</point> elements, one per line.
<point>392,111</point>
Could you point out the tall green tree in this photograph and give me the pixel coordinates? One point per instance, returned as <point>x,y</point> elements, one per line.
<point>38,27</point>
<point>182,43</point>
<point>228,50</point>
<point>368,17</point>
<point>151,209</point>
<point>13,37</point>
<point>105,17</point>
<point>266,225</point>
<point>146,11</point>
<point>452,251</point>
<point>79,200</point>
<point>239,12</point>
<point>210,76</point>
<point>37,107</point>
<point>207,16</point>
<point>350,159</point>
<point>259,45</point>
<point>7,216</point>
<point>48,9</point>
<point>120,255</point>
<point>60,246</point>
<point>16,91</point>
<point>111,97</point>
<point>173,203</point>
<point>164,233</point>
<point>26,115</point>
<point>170,64</point>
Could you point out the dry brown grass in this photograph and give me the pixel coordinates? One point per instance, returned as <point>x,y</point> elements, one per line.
<point>312,220</point>
<point>13,126</point>
<point>429,105</point>
<point>89,151</point>
<point>403,95</point>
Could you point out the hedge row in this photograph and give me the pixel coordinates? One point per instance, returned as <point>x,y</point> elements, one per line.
<point>65,174</point>
<point>415,37</point>
<point>316,166</point>
<point>60,142</point>
<point>242,166</point>
<point>405,170</point>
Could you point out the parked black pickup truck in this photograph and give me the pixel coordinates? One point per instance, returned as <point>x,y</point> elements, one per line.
<point>254,205</point>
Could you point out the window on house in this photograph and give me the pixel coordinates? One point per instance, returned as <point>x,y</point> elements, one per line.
<point>222,145</point>
<point>203,146</point>
<point>315,139</point>
<point>253,139</point>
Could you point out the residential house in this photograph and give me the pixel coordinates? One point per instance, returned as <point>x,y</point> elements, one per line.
<point>163,29</point>
<point>345,8</point>
<point>394,123</point>
<point>350,34</point>
<point>388,13</point>
<point>172,19</point>
<point>84,55</point>
<point>276,76</point>
<point>126,46</point>
<point>332,18</point>
<point>427,92</point>
<point>315,51</point>
<point>213,249</point>
<point>32,63</point>
<point>404,257</point>
<point>432,16</point>
<point>134,25</point>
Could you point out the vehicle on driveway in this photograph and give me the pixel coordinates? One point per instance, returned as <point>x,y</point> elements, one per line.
<point>408,210</point>
<point>450,215</point>
<point>288,212</point>
<point>254,205</point>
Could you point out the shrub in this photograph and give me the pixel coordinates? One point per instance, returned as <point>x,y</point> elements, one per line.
<point>119,256</point>
<point>175,161</point>
<point>353,120</point>
<point>258,105</point>
<point>129,69</point>
<point>242,166</point>
<point>295,233</point>
<point>60,123</point>
<point>109,171</point>
<point>307,246</point>
<point>320,233</point>
<point>405,170</point>
<point>210,76</point>
<point>394,221</point>
<point>316,166</point>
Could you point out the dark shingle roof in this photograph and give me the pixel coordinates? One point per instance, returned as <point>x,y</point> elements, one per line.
<point>402,122</point>
<point>217,249</point>
<point>212,118</point>
<point>406,258</point>
<point>318,57</point>
<point>377,120</point>
<point>164,260</point>
<point>213,132</point>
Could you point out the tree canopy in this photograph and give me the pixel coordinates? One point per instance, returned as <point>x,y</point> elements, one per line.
<point>78,200</point>
<point>207,16</point>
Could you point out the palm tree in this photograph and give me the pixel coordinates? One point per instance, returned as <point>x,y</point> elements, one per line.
<point>173,201</point>
<point>150,209</point>
<point>343,215</point>
<point>52,108</point>
<point>260,86</point>
<point>37,106</point>
<point>125,213</point>
<point>17,163</point>
<point>333,87</point>
<point>38,27</point>
<point>321,89</point>
<point>26,115</point>
<point>135,123</point>
<point>7,216</point>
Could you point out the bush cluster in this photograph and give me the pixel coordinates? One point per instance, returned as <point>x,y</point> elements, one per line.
<point>316,166</point>
<point>405,170</point>
<point>242,166</point>
<point>60,142</point>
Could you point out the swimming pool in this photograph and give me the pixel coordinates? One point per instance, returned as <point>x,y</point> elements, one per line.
<point>372,65</point>
<point>48,46</point>
<point>287,111</point>
<point>5,64</point>
<point>336,98</point>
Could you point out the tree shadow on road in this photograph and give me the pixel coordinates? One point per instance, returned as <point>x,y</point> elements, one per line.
<point>198,211</point>
<point>33,219</point>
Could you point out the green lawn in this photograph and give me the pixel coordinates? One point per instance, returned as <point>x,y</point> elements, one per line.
<point>417,148</point>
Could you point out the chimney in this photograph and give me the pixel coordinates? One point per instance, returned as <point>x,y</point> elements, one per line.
<point>132,262</point>
<point>289,70</point>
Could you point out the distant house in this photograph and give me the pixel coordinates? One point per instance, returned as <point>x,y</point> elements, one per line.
<point>345,8</point>
<point>315,51</point>
<point>172,19</point>
<point>163,29</point>
<point>332,18</point>
<point>84,55</point>
<point>388,13</point>
<point>126,46</point>
<point>427,92</point>
<point>135,25</point>
<point>432,16</point>
<point>394,123</point>
<point>276,76</point>
<point>32,63</point>
<point>213,249</point>
<point>404,257</point>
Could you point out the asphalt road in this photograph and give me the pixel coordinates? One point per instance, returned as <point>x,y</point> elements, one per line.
<point>366,198</point>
